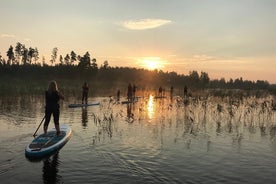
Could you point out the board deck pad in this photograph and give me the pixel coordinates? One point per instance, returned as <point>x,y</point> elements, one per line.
<point>44,141</point>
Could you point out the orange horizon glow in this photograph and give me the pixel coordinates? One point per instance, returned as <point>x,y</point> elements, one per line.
<point>151,63</point>
<point>152,40</point>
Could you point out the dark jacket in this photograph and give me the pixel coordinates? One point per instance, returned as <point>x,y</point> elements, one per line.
<point>52,100</point>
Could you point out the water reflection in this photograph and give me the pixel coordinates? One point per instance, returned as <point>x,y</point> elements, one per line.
<point>272,133</point>
<point>130,115</point>
<point>150,107</point>
<point>84,117</point>
<point>186,138</point>
<point>19,106</point>
<point>50,170</point>
<point>190,118</point>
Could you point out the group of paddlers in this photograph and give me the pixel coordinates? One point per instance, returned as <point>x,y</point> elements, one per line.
<point>52,97</point>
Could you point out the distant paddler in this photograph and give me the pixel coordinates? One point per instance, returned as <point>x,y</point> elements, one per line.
<point>85,90</point>
<point>171,92</point>
<point>185,91</point>
<point>129,92</point>
<point>160,92</point>
<point>118,95</point>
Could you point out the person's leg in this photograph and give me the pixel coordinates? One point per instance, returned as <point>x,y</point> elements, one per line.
<point>82,98</point>
<point>56,121</point>
<point>47,120</point>
<point>86,96</point>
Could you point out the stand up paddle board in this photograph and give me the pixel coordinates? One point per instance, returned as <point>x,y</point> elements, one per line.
<point>83,105</point>
<point>46,144</point>
<point>128,102</point>
<point>157,97</point>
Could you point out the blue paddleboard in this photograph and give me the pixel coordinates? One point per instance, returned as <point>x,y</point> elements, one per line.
<point>128,102</point>
<point>157,97</point>
<point>46,144</point>
<point>83,105</point>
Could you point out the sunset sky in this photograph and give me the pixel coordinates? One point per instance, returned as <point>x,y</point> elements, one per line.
<point>225,38</point>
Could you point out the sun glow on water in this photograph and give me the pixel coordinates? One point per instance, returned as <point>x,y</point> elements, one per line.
<point>150,107</point>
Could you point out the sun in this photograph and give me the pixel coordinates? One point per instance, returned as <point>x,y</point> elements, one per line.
<point>152,63</point>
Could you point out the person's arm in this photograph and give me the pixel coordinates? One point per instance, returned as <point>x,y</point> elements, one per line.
<point>60,95</point>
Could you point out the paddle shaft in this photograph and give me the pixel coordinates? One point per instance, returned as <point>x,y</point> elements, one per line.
<point>46,143</point>
<point>39,126</point>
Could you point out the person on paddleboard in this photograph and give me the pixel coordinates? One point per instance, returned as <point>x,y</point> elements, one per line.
<point>52,97</point>
<point>171,93</point>
<point>85,90</point>
<point>118,95</point>
<point>129,92</point>
<point>185,91</point>
<point>160,92</point>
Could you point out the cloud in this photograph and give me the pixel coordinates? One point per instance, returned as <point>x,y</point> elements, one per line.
<point>28,40</point>
<point>3,35</point>
<point>145,24</point>
<point>202,58</point>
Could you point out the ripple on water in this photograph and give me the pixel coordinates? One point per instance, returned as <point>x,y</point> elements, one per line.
<point>6,165</point>
<point>169,144</point>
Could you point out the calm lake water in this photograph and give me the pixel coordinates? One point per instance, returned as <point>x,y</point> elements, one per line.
<point>209,140</point>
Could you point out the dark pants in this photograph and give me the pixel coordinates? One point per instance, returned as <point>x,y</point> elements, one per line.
<point>48,113</point>
<point>84,97</point>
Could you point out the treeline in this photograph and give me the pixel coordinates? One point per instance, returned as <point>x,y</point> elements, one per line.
<point>106,80</point>
<point>21,55</point>
<point>23,73</point>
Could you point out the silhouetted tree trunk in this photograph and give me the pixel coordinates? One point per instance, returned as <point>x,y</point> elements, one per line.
<point>73,57</point>
<point>36,55</point>
<point>67,59</point>
<point>31,54</point>
<point>94,64</point>
<point>105,65</point>
<point>10,55</point>
<point>61,60</point>
<point>54,55</point>
<point>85,62</point>
<point>25,56</point>
<point>19,49</point>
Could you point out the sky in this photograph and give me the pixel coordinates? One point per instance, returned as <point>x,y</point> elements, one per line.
<point>225,38</point>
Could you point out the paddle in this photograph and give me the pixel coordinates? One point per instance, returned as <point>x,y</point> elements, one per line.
<point>39,126</point>
<point>44,145</point>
